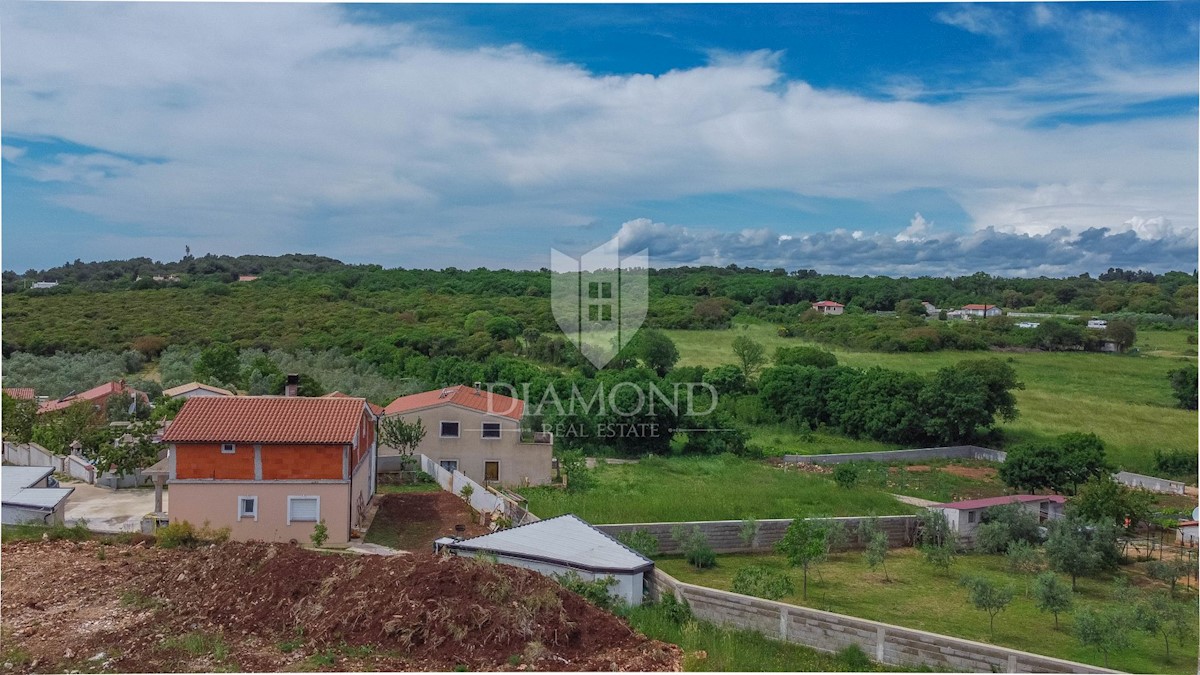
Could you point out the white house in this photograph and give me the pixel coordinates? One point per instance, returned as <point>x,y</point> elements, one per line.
<point>829,307</point>
<point>981,310</point>
<point>28,494</point>
<point>560,545</point>
<point>194,389</point>
<point>1029,324</point>
<point>965,516</point>
<point>930,309</point>
<point>44,284</point>
<point>1097,324</point>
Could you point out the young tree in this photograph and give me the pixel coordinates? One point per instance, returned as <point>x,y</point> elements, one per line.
<point>1052,595</point>
<point>1022,557</point>
<point>1168,572</point>
<point>1078,548</point>
<point>876,548</point>
<point>404,436</point>
<point>936,540</point>
<point>989,597</point>
<point>1160,615</point>
<point>1183,383</point>
<point>748,532</point>
<point>750,354</point>
<point>806,543</point>
<point>1107,631</point>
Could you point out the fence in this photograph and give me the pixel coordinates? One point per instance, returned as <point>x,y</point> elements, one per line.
<point>1150,483</point>
<point>482,499</point>
<point>32,454</point>
<point>829,632</point>
<point>725,536</point>
<point>949,452</point>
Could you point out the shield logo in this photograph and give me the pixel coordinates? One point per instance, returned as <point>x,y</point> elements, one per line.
<point>600,299</point>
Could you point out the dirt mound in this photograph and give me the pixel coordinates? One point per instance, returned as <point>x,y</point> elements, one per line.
<point>280,607</point>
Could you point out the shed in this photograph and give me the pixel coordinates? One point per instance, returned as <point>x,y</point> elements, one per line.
<point>1188,533</point>
<point>29,494</point>
<point>563,544</point>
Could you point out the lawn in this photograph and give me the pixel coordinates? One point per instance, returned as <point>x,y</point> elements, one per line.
<point>920,597</point>
<point>777,440</point>
<point>1125,400</point>
<point>672,489</point>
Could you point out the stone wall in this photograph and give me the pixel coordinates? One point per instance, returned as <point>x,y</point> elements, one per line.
<point>916,454</point>
<point>724,536</point>
<point>829,632</point>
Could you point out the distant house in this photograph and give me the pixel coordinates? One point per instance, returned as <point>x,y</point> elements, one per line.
<point>271,467</point>
<point>1029,324</point>
<point>1188,533</point>
<point>981,310</point>
<point>1097,324</point>
<point>478,432</point>
<point>193,389</point>
<point>930,309</point>
<point>26,393</point>
<point>965,516</point>
<point>44,284</point>
<point>560,545</point>
<point>97,396</point>
<point>29,494</point>
<point>829,307</point>
<point>167,279</point>
<point>247,277</point>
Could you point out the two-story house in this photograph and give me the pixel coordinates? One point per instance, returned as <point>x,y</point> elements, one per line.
<point>271,467</point>
<point>477,432</point>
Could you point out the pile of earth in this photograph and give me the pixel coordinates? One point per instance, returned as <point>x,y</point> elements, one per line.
<point>249,606</point>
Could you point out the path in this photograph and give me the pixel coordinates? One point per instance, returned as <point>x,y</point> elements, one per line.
<point>915,501</point>
<point>593,461</point>
<point>109,510</point>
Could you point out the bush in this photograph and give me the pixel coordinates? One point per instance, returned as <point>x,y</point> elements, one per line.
<point>594,591</point>
<point>762,583</point>
<point>846,474</point>
<point>992,538</point>
<point>641,541</point>
<point>854,658</point>
<point>184,533</point>
<point>320,533</point>
<point>695,547</point>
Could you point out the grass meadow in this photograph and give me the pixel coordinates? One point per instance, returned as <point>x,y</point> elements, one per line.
<point>707,488</point>
<point>920,597</point>
<point>1125,400</point>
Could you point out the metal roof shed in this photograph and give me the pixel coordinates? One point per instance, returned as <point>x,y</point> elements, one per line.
<point>563,544</point>
<point>25,496</point>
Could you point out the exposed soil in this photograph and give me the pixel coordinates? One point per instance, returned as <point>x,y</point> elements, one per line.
<point>277,607</point>
<point>985,473</point>
<point>412,521</point>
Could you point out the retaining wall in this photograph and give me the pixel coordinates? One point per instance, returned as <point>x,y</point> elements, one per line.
<point>724,536</point>
<point>1150,483</point>
<point>829,632</point>
<point>948,452</point>
<point>32,454</point>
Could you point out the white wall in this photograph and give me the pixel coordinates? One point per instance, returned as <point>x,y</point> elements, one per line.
<point>628,588</point>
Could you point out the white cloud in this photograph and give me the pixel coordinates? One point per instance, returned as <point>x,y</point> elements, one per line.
<point>978,19</point>
<point>10,153</point>
<point>918,229</point>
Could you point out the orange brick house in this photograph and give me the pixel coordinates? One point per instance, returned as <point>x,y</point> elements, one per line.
<point>271,467</point>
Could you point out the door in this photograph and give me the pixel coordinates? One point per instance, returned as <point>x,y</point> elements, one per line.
<point>491,472</point>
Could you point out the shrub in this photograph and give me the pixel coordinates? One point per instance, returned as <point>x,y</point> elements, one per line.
<point>992,538</point>
<point>1022,557</point>
<point>184,533</point>
<point>594,591</point>
<point>846,474</point>
<point>466,492</point>
<point>320,533</point>
<point>762,583</point>
<point>695,547</point>
<point>641,541</point>
<point>854,658</point>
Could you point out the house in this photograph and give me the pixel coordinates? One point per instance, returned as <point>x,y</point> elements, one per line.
<point>44,284</point>
<point>247,277</point>
<point>981,310</point>
<point>29,494</point>
<point>169,278</point>
<point>26,393</point>
<point>378,410</point>
<point>478,432</point>
<point>1097,324</point>
<point>965,516</point>
<point>561,545</point>
<point>193,389</point>
<point>829,307</point>
<point>1188,533</point>
<point>97,396</point>
<point>271,467</point>
<point>930,309</point>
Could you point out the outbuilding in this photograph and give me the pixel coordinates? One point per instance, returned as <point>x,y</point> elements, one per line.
<point>1188,533</point>
<point>560,545</point>
<point>29,494</point>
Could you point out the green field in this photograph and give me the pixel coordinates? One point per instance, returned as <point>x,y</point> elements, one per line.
<point>706,488</point>
<point>1125,400</point>
<point>920,597</point>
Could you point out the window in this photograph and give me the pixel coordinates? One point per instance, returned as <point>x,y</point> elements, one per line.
<point>449,429</point>
<point>228,448</point>
<point>449,464</point>
<point>491,430</point>
<point>304,509</point>
<point>970,516</point>
<point>248,507</point>
<point>491,472</point>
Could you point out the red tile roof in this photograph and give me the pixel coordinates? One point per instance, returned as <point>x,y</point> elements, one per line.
<point>266,419</point>
<point>377,409</point>
<point>21,392</point>
<point>827,303</point>
<point>981,307</point>
<point>1188,523</point>
<point>998,501</point>
<point>467,397</point>
<point>93,394</point>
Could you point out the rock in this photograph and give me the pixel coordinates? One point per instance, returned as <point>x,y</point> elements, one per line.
<point>99,657</point>
<point>181,577</point>
<point>34,663</point>
<point>8,664</point>
<point>69,654</point>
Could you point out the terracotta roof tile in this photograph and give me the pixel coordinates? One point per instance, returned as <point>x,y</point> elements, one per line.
<point>192,386</point>
<point>266,419</point>
<point>21,392</point>
<point>467,397</point>
<point>93,394</point>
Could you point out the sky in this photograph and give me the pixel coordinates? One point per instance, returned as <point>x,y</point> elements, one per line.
<point>1018,139</point>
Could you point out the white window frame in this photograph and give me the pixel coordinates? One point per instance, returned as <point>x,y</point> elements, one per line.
<point>292,498</point>
<point>484,428</point>
<point>241,514</point>
<point>442,463</point>
<point>442,430</point>
<point>228,448</point>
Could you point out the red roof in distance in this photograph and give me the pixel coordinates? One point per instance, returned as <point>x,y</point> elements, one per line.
<point>827,303</point>
<point>983,307</point>
<point>467,397</point>
<point>1000,501</point>
<point>266,419</point>
<point>21,392</point>
<point>93,394</point>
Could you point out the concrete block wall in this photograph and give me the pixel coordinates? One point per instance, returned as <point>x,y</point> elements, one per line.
<point>916,454</point>
<point>829,632</point>
<point>724,536</point>
<point>1150,483</point>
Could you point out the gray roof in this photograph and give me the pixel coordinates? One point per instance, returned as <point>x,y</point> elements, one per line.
<point>564,540</point>
<point>15,490</point>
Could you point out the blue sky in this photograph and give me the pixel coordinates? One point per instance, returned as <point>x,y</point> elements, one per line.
<point>1018,139</point>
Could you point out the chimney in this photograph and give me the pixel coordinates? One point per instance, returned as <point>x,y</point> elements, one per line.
<point>292,387</point>
<point>477,388</point>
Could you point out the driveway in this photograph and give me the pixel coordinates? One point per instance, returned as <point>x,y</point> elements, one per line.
<point>110,510</point>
